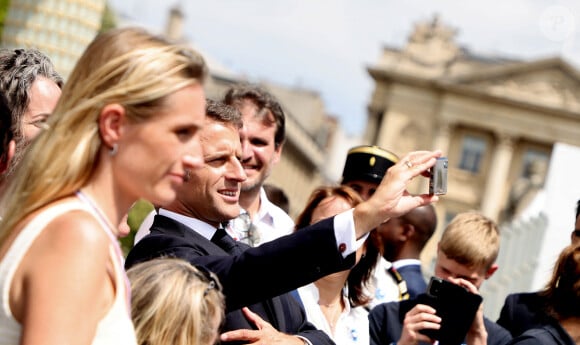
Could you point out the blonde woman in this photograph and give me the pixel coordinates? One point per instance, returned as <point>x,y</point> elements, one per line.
<point>175,303</point>
<point>125,128</point>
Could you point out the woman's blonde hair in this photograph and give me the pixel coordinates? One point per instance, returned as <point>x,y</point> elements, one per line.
<point>128,66</point>
<point>175,303</point>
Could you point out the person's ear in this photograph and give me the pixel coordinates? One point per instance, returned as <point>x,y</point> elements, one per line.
<point>11,150</point>
<point>408,231</point>
<point>277,153</point>
<point>111,121</point>
<point>491,270</point>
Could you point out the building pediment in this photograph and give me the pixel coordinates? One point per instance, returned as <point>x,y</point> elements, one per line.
<point>549,82</point>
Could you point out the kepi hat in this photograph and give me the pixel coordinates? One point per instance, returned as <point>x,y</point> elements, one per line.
<point>367,163</point>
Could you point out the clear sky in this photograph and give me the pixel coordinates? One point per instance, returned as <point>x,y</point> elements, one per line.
<point>326,45</point>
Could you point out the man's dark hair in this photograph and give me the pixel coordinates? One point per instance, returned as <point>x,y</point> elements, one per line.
<point>578,209</point>
<point>222,112</point>
<point>264,101</point>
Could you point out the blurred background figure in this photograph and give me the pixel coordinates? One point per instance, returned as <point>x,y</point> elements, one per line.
<point>561,304</point>
<point>335,303</point>
<point>175,303</point>
<point>522,311</point>
<point>403,239</point>
<point>32,88</point>
<point>575,235</point>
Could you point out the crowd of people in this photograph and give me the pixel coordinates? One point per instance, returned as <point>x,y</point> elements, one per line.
<point>219,260</point>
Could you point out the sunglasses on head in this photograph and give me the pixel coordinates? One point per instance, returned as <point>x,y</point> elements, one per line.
<point>207,277</point>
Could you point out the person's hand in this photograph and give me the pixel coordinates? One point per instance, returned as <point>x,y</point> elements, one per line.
<point>391,198</point>
<point>266,334</point>
<point>477,334</point>
<point>420,317</point>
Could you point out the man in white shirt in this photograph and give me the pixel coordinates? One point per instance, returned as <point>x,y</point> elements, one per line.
<point>262,136</point>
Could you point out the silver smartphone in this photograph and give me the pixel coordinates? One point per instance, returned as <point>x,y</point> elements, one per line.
<point>438,177</point>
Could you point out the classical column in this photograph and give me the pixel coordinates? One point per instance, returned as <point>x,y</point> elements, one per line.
<point>497,177</point>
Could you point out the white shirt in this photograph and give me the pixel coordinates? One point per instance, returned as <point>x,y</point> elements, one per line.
<point>383,287</point>
<point>352,326</point>
<point>145,227</point>
<point>271,221</point>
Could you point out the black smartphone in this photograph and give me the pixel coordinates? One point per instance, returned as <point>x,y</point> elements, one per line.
<point>438,177</point>
<point>456,307</point>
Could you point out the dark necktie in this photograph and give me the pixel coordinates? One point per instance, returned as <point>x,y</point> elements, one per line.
<point>226,242</point>
<point>401,283</point>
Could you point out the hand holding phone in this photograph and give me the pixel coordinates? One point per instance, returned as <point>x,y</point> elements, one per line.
<point>456,307</point>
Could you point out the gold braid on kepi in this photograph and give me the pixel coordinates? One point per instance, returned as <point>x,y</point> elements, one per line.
<point>367,163</point>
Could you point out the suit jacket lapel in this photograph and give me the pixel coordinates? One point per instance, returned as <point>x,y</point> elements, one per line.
<point>165,226</point>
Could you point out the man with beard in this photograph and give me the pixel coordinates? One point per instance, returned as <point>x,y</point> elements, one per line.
<point>262,136</point>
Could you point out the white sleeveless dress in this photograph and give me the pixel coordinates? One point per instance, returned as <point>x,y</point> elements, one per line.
<point>116,326</point>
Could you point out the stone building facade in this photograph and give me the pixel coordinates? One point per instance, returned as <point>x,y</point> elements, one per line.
<point>496,119</point>
<point>62,29</point>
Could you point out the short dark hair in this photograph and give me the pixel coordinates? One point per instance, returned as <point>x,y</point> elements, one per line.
<point>578,209</point>
<point>222,112</point>
<point>264,101</point>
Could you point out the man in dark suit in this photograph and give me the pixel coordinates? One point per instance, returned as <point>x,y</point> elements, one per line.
<point>403,238</point>
<point>190,228</point>
<point>466,256</point>
<point>523,311</point>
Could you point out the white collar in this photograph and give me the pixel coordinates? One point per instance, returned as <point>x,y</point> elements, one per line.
<point>406,262</point>
<point>201,227</point>
<point>263,214</point>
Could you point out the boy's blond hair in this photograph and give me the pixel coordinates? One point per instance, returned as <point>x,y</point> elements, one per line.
<point>471,239</point>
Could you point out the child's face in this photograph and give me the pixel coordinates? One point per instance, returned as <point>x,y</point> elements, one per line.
<point>446,268</point>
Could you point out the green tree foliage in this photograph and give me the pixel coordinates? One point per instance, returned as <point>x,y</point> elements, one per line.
<point>109,19</point>
<point>4,5</point>
<point>136,215</point>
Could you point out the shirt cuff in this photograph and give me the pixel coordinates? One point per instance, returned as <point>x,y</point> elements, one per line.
<point>345,234</point>
<point>306,341</point>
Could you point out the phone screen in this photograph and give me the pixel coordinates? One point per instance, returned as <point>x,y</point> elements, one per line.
<point>455,305</point>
